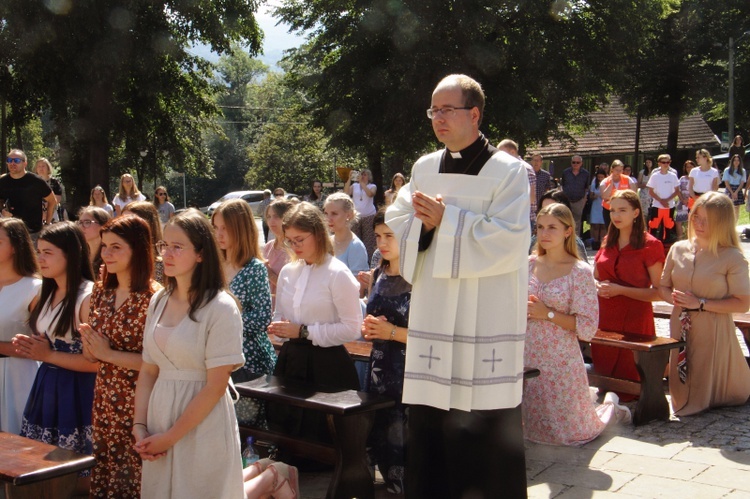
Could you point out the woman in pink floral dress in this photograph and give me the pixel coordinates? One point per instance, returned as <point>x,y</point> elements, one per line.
<point>114,337</point>
<point>562,307</point>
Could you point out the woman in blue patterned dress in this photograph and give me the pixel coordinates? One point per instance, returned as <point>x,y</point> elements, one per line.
<point>386,326</point>
<point>58,410</point>
<point>237,237</point>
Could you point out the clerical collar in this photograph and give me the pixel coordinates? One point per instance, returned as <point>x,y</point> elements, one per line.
<point>469,160</point>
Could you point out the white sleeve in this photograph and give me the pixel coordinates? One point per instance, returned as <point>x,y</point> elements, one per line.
<point>345,295</point>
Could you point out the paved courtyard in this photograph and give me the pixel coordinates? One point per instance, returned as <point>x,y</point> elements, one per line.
<point>703,457</point>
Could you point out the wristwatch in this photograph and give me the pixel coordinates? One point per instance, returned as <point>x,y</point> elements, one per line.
<point>550,315</point>
<point>303,332</point>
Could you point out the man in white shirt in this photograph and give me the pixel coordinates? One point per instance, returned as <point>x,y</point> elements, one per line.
<point>663,185</point>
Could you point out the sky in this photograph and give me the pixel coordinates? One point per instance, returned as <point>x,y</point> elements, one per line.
<point>276,39</point>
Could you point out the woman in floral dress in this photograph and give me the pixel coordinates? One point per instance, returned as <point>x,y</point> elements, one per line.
<point>237,237</point>
<point>114,337</point>
<point>557,407</point>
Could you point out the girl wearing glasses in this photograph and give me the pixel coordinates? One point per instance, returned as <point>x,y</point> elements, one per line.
<point>185,427</point>
<point>237,237</point>
<point>128,193</point>
<point>163,206</point>
<point>317,311</point>
<point>58,410</point>
<point>99,199</point>
<point>114,338</point>
<point>19,286</point>
<point>91,219</point>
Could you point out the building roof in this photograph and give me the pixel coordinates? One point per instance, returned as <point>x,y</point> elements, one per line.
<point>614,133</point>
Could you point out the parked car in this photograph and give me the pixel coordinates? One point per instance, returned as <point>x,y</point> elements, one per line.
<point>253,198</point>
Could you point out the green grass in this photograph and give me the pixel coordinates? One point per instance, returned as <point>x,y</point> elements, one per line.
<point>744,217</point>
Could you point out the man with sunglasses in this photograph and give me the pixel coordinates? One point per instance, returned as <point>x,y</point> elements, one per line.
<point>22,194</point>
<point>463,226</point>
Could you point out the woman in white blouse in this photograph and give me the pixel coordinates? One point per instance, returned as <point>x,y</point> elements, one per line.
<point>317,311</point>
<point>703,179</point>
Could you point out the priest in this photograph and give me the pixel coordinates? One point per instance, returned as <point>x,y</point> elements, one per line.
<point>463,226</point>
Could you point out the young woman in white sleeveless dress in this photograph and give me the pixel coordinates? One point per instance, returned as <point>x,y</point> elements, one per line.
<point>19,285</point>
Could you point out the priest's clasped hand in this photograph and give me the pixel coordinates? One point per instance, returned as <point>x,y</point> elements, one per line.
<point>428,209</point>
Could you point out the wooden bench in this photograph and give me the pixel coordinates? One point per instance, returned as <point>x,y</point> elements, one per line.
<point>651,356</point>
<point>37,470</point>
<point>663,310</point>
<point>350,415</point>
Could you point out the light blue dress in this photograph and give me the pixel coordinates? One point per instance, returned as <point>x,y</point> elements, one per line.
<point>597,215</point>
<point>355,256</point>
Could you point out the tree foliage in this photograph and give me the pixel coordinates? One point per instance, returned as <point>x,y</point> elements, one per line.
<point>370,67</point>
<point>117,76</point>
<point>681,66</point>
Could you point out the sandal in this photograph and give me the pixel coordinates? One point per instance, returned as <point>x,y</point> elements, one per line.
<point>255,469</point>
<point>288,486</point>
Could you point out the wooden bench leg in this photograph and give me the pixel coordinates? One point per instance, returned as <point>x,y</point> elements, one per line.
<point>746,334</point>
<point>351,475</point>
<point>60,487</point>
<point>652,403</point>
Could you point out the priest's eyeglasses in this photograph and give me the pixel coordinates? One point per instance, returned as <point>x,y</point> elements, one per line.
<point>445,112</point>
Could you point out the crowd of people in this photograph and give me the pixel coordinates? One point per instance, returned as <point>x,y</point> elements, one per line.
<point>123,333</point>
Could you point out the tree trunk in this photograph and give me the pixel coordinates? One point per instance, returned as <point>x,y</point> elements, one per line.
<point>19,139</point>
<point>673,133</point>
<point>375,164</point>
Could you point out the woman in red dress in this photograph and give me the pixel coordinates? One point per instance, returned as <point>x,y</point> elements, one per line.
<point>628,270</point>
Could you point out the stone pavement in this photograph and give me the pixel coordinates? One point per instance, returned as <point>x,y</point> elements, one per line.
<point>704,456</point>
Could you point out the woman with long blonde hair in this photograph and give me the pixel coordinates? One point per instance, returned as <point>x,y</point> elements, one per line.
<point>562,309</point>
<point>706,279</point>
<point>128,193</point>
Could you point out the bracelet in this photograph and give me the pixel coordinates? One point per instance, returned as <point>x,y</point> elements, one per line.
<point>141,424</point>
<point>393,333</point>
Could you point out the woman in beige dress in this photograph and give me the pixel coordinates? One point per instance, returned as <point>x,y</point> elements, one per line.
<point>706,278</point>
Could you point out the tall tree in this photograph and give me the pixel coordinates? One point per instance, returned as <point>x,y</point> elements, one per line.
<point>370,67</point>
<point>118,70</point>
